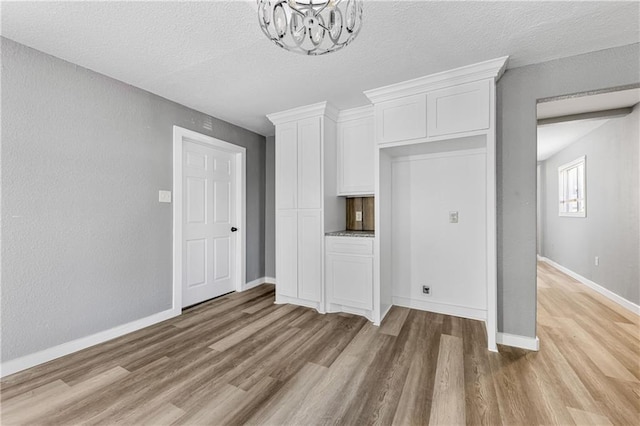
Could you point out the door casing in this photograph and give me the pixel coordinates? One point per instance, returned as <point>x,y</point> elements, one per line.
<point>179,135</point>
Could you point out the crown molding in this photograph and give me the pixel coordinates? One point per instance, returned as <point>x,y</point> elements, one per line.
<point>493,68</point>
<point>355,113</point>
<point>308,111</point>
<point>331,112</point>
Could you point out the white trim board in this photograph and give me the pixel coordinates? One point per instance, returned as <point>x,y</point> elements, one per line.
<point>383,315</point>
<point>321,108</point>
<point>257,282</point>
<point>493,68</point>
<point>179,136</point>
<point>355,113</point>
<point>440,308</point>
<point>46,355</point>
<point>628,305</point>
<point>523,342</point>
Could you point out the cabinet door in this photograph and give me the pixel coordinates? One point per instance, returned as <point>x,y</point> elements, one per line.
<point>286,165</point>
<point>457,109</point>
<point>287,252</point>
<point>350,280</point>
<point>355,157</point>
<point>402,119</point>
<point>309,164</point>
<point>310,251</point>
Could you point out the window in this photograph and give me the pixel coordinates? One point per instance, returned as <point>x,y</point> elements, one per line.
<point>571,179</point>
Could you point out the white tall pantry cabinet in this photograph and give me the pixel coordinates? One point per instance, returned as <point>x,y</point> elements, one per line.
<point>306,201</point>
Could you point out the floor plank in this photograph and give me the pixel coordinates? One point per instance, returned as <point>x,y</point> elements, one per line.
<point>241,359</point>
<point>448,407</point>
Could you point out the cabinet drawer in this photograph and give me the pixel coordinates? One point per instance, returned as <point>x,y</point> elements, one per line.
<point>350,245</point>
<point>402,119</point>
<point>457,109</point>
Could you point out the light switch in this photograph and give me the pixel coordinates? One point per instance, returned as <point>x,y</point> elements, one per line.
<point>164,196</point>
<point>358,216</point>
<point>453,217</point>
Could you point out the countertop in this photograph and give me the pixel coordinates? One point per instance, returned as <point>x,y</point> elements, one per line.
<point>365,234</point>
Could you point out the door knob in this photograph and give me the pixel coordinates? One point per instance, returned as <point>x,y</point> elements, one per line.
<point>234,229</point>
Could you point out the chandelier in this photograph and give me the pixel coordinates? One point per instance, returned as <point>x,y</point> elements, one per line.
<point>310,27</point>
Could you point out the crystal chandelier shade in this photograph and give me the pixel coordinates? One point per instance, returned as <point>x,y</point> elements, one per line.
<point>310,27</point>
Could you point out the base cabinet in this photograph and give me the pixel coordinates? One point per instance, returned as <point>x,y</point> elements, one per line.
<point>299,256</point>
<point>310,255</point>
<point>349,275</point>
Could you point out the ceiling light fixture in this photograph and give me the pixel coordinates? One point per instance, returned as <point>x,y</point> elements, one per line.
<point>310,27</point>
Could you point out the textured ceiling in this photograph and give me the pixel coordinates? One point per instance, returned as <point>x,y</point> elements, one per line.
<point>212,56</point>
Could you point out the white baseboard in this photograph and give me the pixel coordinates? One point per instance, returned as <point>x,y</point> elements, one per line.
<point>31,360</point>
<point>335,308</point>
<point>257,282</point>
<point>281,300</point>
<point>384,313</point>
<point>523,342</point>
<point>441,308</point>
<point>630,306</point>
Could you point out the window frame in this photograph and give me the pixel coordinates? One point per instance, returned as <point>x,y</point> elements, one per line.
<point>563,199</point>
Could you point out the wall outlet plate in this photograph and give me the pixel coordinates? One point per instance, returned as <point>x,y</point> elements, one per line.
<point>164,196</point>
<point>358,216</point>
<point>426,290</point>
<point>453,217</point>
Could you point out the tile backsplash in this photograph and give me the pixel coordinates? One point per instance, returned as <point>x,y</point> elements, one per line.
<point>360,214</point>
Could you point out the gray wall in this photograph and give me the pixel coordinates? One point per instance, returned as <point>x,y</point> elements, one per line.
<point>518,91</point>
<point>610,229</point>
<point>86,246</point>
<point>270,209</point>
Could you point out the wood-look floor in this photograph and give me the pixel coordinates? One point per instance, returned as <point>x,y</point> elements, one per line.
<point>242,359</point>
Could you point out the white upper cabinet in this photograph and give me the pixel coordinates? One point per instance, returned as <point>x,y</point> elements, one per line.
<point>457,109</point>
<point>356,145</point>
<point>298,162</point>
<point>287,166</point>
<point>402,119</point>
<point>309,164</point>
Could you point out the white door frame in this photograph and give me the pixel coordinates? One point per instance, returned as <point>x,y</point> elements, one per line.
<point>179,135</point>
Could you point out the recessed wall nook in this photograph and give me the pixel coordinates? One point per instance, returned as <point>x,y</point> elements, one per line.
<point>425,149</point>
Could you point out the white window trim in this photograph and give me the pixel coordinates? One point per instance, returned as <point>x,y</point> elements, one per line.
<point>580,160</point>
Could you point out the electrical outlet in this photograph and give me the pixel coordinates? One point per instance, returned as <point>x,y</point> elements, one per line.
<point>358,216</point>
<point>597,261</point>
<point>453,217</point>
<point>164,196</point>
<point>426,290</point>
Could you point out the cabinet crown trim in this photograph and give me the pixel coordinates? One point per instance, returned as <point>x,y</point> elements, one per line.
<point>355,113</point>
<point>493,68</point>
<point>308,111</point>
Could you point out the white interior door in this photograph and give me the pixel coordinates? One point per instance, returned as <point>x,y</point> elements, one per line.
<point>209,220</point>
